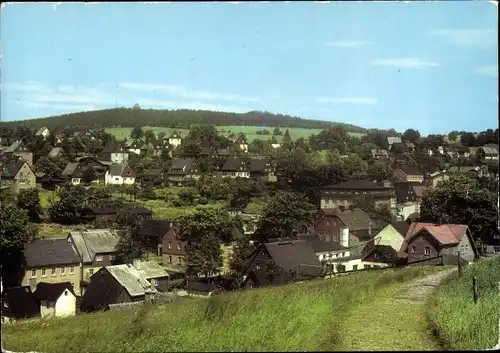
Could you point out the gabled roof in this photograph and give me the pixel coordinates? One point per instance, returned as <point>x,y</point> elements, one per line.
<point>151,173</point>
<point>21,303</point>
<point>136,144</point>
<point>235,164</point>
<point>40,131</point>
<point>241,139</point>
<point>357,185</point>
<point>405,192</point>
<point>386,251</point>
<point>47,252</point>
<point>260,165</point>
<point>355,219</point>
<point>69,169</point>
<point>319,245</point>
<point>122,170</point>
<point>130,279</point>
<point>52,291</point>
<point>201,287</point>
<point>207,151</point>
<point>401,227</point>
<point>295,255</point>
<point>223,152</point>
<point>490,150</point>
<point>94,241</point>
<point>15,146</point>
<point>55,152</point>
<point>419,190</point>
<point>154,227</point>
<point>393,139</point>
<point>11,167</point>
<point>113,147</point>
<point>379,152</point>
<point>182,166</point>
<point>399,147</point>
<point>150,269</point>
<point>411,170</point>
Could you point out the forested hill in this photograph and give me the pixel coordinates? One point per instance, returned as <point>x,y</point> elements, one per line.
<point>128,117</point>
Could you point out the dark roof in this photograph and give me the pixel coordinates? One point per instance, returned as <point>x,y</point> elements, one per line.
<point>295,255</point>
<point>357,184</point>
<point>355,219</point>
<point>399,147</point>
<point>364,234</point>
<point>411,170</point>
<point>260,165</point>
<point>11,167</point>
<point>112,147</point>
<point>181,166</point>
<point>401,227</point>
<point>201,287</point>
<point>21,303</point>
<point>52,291</point>
<point>151,173</point>
<point>208,151</point>
<point>153,227</point>
<point>47,252</point>
<point>319,245</point>
<point>405,191</point>
<point>121,170</point>
<point>223,152</point>
<point>386,251</point>
<point>235,164</point>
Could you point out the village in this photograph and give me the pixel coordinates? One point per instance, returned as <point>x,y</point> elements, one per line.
<point>116,251</point>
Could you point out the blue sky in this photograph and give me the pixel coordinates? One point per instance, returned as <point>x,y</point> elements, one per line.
<point>426,65</point>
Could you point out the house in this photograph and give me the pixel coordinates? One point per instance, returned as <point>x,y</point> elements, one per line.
<point>433,244</point>
<point>116,284</point>
<point>154,231</point>
<point>44,132</point>
<point>392,235</point>
<point>183,168</point>
<point>114,152</point>
<point>119,174</point>
<point>488,241</point>
<point>235,167</point>
<point>379,153</point>
<point>96,248</point>
<point>16,175</point>
<point>56,299</point>
<point>408,198</point>
<point>392,140</point>
<point>106,213</point>
<point>224,152</point>
<point>409,174</point>
<point>208,152</point>
<point>379,256</point>
<point>275,145</point>
<point>55,152</point>
<point>262,170</point>
<point>173,251</point>
<point>350,192</point>
<point>18,303</point>
<point>241,142</point>
<point>135,146</point>
<point>76,171</point>
<point>51,261</point>
<point>175,139</point>
<point>399,148</point>
<point>152,177</point>
<point>488,153</point>
<point>325,250</point>
<point>282,261</point>
<point>19,149</point>
<point>473,172</point>
<point>155,274</point>
<point>158,147</point>
<point>437,177</point>
<point>202,289</point>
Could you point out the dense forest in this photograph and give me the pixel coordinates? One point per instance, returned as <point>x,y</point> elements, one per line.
<point>127,117</point>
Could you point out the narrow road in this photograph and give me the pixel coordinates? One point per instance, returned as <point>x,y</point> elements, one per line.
<point>396,321</point>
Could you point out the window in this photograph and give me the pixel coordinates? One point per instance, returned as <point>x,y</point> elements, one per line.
<point>170,259</point>
<point>43,272</point>
<point>53,272</point>
<point>91,272</point>
<point>98,258</point>
<point>413,250</point>
<point>178,246</point>
<point>427,251</point>
<point>179,260</point>
<point>170,245</point>
<point>6,305</point>
<point>112,257</point>
<point>63,271</point>
<point>355,267</point>
<point>72,269</point>
<point>33,273</point>
<point>376,256</point>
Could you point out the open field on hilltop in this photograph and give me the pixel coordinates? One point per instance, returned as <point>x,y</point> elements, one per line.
<point>250,131</point>
<point>304,316</point>
<point>459,323</point>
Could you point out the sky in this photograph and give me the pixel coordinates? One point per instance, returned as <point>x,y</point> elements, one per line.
<point>432,66</point>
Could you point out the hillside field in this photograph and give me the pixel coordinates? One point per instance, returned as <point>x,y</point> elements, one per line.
<point>250,131</point>
<point>459,323</point>
<point>307,316</point>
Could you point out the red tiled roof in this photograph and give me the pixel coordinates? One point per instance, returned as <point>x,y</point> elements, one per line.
<point>446,234</point>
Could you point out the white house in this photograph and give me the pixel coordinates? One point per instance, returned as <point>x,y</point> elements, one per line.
<point>119,174</point>
<point>241,141</point>
<point>275,145</point>
<point>43,131</point>
<point>135,147</point>
<point>56,299</point>
<point>175,139</point>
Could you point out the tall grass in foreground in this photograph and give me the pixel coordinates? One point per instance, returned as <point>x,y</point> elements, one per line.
<point>301,316</point>
<point>459,323</point>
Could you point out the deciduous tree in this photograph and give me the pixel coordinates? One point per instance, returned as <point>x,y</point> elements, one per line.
<point>29,200</point>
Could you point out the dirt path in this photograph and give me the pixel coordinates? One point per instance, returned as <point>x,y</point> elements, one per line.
<point>396,321</point>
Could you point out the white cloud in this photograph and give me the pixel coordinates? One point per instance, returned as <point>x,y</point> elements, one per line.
<point>406,63</point>
<point>55,106</point>
<point>346,100</point>
<point>345,44</point>
<point>488,70</point>
<point>478,38</point>
<point>184,92</point>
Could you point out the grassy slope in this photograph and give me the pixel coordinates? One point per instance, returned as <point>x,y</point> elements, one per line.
<point>461,324</point>
<point>303,316</point>
<point>250,131</point>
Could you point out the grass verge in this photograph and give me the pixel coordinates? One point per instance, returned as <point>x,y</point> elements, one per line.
<point>457,321</point>
<point>302,316</point>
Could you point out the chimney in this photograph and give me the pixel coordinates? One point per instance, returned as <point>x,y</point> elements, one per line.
<point>344,236</point>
